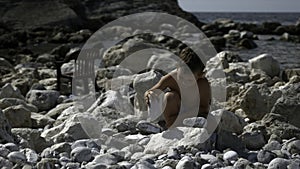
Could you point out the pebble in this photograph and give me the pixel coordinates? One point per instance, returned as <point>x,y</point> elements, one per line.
<point>4,152</point>
<point>147,128</point>
<point>16,157</point>
<point>11,147</point>
<point>81,154</point>
<point>265,156</point>
<point>230,156</point>
<point>185,163</point>
<point>278,163</point>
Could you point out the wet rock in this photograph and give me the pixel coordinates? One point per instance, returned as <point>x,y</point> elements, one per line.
<point>147,128</point>
<point>16,157</point>
<point>18,116</point>
<point>218,41</point>
<point>42,99</point>
<point>269,27</point>
<point>9,91</point>
<point>247,34</point>
<point>247,43</point>
<point>181,136</point>
<point>266,63</point>
<point>81,154</point>
<point>265,156</point>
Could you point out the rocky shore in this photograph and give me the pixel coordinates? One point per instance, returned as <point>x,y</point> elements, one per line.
<point>41,127</point>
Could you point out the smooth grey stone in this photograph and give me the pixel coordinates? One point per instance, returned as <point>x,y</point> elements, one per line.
<point>16,157</point>
<point>81,154</point>
<point>230,156</point>
<point>278,163</point>
<point>265,156</point>
<point>185,163</point>
<point>4,152</point>
<point>147,128</point>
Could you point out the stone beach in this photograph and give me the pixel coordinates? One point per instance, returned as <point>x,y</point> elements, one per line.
<point>42,127</point>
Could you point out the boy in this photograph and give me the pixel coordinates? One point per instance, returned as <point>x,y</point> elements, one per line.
<point>186,78</point>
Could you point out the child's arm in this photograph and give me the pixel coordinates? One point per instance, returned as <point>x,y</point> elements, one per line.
<point>160,86</point>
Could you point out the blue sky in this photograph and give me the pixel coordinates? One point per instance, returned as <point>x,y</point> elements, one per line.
<point>241,5</point>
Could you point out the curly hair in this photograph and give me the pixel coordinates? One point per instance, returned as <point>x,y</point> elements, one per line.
<point>191,59</point>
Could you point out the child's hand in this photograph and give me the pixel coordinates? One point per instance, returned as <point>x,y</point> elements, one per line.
<point>152,93</point>
<point>147,96</point>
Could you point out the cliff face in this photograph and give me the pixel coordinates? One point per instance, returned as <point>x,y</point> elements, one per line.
<point>81,14</point>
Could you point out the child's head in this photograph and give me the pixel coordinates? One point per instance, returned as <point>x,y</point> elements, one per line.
<point>191,61</point>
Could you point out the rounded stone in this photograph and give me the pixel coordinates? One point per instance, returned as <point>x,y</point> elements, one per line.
<point>16,157</point>
<point>278,163</point>
<point>265,156</point>
<point>81,154</point>
<point>230,156</point>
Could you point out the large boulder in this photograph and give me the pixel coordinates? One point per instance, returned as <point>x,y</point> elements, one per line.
<point>229,121</point>
<point>182,136</point>
<point>288,105</point>
<point>266,63</point>
<point>28,14</point>
<point>43,99</point>
<point>5,129</point>
<point>257,101</point>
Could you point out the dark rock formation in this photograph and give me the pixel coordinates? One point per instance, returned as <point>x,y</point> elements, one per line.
<point>90,14</point>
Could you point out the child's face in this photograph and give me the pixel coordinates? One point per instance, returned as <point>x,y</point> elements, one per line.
<point>188,78</point>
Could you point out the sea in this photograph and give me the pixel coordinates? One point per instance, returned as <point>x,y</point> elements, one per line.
<point>287,53</point>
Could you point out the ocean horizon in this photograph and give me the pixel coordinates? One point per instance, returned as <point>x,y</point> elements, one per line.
<point>285,18</point>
